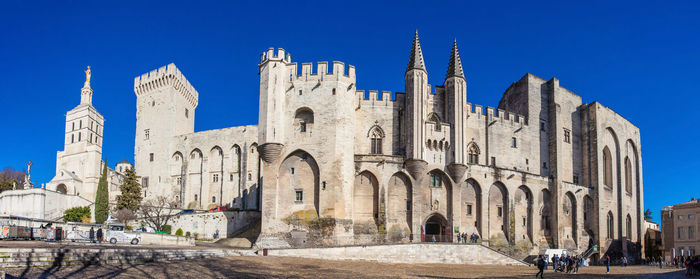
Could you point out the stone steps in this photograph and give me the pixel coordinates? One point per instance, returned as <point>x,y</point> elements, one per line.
<point>19,258</point>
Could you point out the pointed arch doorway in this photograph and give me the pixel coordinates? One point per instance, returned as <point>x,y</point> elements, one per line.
<point>436,229</point>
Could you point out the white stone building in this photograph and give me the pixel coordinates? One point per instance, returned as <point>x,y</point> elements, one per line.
<point>79,165</point>
<point>199,170</point>
<point>339,166</point>
<point>78,168</point>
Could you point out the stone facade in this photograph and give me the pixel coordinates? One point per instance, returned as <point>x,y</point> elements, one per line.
<point>542,170</point>
<point>79,165</point>
<point>344,166</point>
<point>679,226</point>
<point>199,170</point>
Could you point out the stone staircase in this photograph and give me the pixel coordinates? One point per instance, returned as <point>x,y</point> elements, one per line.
<point>29,257</point>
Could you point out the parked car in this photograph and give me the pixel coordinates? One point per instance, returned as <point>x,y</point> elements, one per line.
<point>115,233</point>
<point>218,208</point>
<point>186,211</point>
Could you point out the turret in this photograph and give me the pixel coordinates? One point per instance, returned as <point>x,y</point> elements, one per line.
<point>416,81</point>
<point>456,101</point>
<point>456,91</point>
<point>274,78</point>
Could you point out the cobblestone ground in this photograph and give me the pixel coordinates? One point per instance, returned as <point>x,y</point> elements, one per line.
<point>285,267</point>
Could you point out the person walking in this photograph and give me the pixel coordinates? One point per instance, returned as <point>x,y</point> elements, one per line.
<point>624,261</point>
<point>607,264</point>
<point>99,235</point>
<point>577,263</point>
<point>540,265</point>
<point>554,262</point>
<point>661,264</point>
<point>92,235</point>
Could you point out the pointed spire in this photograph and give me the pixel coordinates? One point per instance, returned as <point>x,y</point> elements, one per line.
<point>416,60</point>
<point>454,69</point>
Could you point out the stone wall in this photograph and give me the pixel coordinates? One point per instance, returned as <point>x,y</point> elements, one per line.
<point>405,253</point>
<point>39,203</point>
<point>206,224</point>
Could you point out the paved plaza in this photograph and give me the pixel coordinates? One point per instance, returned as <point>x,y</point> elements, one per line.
<point>287,267</point>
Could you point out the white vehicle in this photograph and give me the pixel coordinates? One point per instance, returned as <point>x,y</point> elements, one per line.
<point>115,233</point>
<point>78,235</point>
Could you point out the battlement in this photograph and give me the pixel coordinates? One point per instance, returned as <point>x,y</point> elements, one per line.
<point>372,99</point>
<point>496,114</point>
<point>321,72</point>
<point>271,55</point>
<point>164,76</point>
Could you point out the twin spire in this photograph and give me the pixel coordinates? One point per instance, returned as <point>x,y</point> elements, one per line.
<point>416,61</point>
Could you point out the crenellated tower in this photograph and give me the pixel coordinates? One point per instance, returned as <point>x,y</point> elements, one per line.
<point>416,82</point>
<point>275,77</point>
<point>165,107</point>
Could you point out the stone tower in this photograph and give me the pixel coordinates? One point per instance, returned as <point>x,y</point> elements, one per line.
<point>78,166</point>
<point>416,81</point>
<point>165,106</point>
<point>274,76</point>
<point>456,100</point>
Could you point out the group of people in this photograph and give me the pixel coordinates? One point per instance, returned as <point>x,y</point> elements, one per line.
<point>462,237</point>
<point>100,235</point>
<point>564,263</point>
<point>690,263</point>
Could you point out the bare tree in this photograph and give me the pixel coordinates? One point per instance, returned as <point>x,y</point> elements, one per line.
<point>9,177</point>
<point>158,211</point>
<point>125,215</point>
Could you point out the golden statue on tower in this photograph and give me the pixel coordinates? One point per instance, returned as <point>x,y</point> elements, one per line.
<point>87,77</point>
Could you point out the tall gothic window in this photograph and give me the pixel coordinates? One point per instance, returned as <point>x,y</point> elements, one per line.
<point>628,175</point>
<point>375,136</point>
<point>628,224</point>
<point>610,225</point>
<point>473,154</point>
<point>607,168</point>
<point>434,118</point>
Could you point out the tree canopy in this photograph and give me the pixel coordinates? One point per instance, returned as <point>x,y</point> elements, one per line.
<point>102,198</point>
<point>130,197</point>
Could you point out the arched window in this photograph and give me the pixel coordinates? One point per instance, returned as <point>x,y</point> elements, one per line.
<point>434,118</point>
<point>376,134</point>
<point>628,226</point>
<point>611,225</point>
<point>304,118</point>
<point>195,197</point>
<point>607,168</point>
<point>473,153</point>
<point>213,199</point>
<point>628,175</point>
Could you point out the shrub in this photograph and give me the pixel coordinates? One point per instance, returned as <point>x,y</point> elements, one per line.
<point>187,234</point>
<point>196,235</point>
<point>76,214</point>
<point>167,229</point>
<point>178,232</point>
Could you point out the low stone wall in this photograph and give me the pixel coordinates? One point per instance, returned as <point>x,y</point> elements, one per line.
<point>166,240</point>
<point>206,224</point>
<point>405,253</point>
<point>39,203</point>
<point>30,257</point>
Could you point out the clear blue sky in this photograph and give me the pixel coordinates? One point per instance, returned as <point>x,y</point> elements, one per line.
<point>642,60</point>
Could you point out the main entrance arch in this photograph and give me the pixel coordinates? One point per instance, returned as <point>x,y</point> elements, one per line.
<point>436,229</point>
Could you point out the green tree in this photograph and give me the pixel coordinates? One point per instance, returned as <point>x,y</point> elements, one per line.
<point>76,214</point>
<point>102,198</point>
<point>131,192</point>
<point>178,232</point>
<point>647,215</point>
